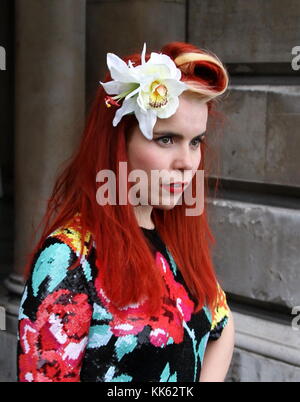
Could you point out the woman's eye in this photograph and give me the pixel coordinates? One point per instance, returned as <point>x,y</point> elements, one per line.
<point>198,140</point>
<point>164,140</point>
<point>167,140</point>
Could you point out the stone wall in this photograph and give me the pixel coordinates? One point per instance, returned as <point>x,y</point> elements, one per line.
<point>255,216</point>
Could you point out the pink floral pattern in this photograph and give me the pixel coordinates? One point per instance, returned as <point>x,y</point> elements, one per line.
<point>52,346</point>
<point>177,307</point>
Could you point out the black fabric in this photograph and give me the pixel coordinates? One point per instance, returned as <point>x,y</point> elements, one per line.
<point>70,331</point>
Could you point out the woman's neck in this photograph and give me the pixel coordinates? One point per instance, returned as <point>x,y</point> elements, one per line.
<point>143,216</point>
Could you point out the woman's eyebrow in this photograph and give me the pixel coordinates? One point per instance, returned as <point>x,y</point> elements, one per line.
<point>176,134</point>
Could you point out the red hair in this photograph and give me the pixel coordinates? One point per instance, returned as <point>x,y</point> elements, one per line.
<point>122,251</point>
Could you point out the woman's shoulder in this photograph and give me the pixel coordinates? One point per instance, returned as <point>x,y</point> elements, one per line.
<point>60,250</point>
<point>50,267</point>
<point>220,314</point>
<point>70,234</point>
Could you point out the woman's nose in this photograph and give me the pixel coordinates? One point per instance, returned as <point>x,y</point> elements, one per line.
<point>183,160</point>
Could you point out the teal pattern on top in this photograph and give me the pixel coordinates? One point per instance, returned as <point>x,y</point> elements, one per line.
<point>69,330</point>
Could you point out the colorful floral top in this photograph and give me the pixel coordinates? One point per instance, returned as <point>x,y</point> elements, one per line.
<point>70,332</point>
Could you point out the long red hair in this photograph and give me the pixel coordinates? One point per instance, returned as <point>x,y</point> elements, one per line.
<point>122,251</point>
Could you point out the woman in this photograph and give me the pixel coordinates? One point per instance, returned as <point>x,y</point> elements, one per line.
<point>126,291</point>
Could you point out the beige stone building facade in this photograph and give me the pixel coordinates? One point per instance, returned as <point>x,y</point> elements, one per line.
<point>55,56</point>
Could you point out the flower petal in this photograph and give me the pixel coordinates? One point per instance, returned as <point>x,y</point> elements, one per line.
<point>127,107</point>
<point>130,64</point>
<point>119,70</point>
<point>169,109</point>
<point>167,61</point>
<point>115,87</point>
<point>146,82</point>
<point>143,53</point>
<point>146,121</point>
<point>143,100</point>
<point>175,88</point>
<point>132,93</point>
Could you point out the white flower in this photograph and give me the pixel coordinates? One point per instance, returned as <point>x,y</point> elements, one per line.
<point>150,90</point>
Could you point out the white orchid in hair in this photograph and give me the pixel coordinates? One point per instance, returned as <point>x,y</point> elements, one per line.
<point>149,90</point>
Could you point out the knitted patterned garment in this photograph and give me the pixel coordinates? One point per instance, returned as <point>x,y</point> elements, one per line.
<point>69,331</point>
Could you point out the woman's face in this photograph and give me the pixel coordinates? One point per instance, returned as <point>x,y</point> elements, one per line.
<point>174,152</point>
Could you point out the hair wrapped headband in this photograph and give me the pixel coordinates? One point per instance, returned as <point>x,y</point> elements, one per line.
<point>149,90</point>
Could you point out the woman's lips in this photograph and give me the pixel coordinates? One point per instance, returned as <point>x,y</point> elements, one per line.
<point>175,187</point>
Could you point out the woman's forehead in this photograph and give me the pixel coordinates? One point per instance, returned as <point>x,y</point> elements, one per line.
<point>190,116</point>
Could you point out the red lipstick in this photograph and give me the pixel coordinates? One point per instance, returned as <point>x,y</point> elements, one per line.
<point>177,187</point>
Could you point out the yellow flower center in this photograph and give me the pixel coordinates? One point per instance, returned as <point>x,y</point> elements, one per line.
<point>158,95</point>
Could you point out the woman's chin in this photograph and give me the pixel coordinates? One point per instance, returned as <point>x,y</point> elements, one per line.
<point>165,207</point>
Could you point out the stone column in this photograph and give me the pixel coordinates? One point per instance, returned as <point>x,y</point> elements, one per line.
<point>49,113</point>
